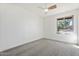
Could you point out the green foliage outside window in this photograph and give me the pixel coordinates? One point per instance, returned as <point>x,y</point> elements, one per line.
<point>64,25</point>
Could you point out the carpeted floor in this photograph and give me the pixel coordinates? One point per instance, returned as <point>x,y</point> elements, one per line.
<point>43,47</point>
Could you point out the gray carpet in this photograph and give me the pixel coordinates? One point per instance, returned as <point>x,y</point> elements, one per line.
<point>43,47</point>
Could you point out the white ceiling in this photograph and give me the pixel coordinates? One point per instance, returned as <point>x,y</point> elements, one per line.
<point>61,7</point>
<point>64,7</point>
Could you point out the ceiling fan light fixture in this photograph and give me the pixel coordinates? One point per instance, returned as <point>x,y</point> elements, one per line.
<point>46,10</point>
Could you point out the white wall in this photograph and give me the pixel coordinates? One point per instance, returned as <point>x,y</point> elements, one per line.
<point>50,27</point>
<point>18,26</point>
<point>78,28</point>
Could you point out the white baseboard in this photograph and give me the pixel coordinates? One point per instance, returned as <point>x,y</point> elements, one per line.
<point>61,41</point>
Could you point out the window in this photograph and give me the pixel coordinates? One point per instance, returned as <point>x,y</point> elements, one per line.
<point>65,24</point>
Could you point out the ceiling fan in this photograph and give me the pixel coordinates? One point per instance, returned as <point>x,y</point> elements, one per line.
<point>48,8</point>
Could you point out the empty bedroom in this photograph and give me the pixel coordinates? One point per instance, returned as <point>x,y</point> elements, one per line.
<point>39,29</point>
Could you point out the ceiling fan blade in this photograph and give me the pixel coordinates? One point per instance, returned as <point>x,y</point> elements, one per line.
<point>52,7</point>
